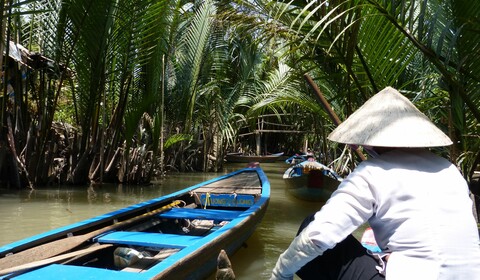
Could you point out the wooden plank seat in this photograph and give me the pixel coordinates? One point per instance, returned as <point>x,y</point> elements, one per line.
<point>149,239</point>
<point>202,214</point>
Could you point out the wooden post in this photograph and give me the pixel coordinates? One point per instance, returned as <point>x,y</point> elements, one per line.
<point>258,139</point>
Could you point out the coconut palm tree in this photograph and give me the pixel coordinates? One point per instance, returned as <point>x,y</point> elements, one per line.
<point>355,48</point>
<point>119,61</point>
<point>202,69</point>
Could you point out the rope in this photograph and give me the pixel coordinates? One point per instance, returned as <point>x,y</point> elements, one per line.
<point>207,200</point>
<point>182,202</point>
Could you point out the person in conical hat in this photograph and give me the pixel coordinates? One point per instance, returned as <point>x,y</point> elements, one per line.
<point>416,202</point>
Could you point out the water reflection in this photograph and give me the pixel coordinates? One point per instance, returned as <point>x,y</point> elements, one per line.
<point>25,213</point>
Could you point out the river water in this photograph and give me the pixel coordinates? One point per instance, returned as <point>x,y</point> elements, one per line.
<point>25,213</point>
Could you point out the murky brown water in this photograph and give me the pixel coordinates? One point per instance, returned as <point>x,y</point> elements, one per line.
<point>26,213</point>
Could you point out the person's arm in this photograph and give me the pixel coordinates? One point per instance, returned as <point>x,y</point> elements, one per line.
<point>300,252</point>
<point>348,208</point>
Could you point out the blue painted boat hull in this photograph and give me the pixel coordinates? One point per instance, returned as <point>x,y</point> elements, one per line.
<point>316,185</point>
<point>231,206</point>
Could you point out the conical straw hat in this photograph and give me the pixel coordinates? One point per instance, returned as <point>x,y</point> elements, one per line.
<point>389,119</point>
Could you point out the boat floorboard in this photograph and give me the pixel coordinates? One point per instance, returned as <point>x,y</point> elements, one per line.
<point>244,183</point>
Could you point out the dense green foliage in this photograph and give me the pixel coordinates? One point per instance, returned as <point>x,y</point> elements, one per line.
<point>122,90</point>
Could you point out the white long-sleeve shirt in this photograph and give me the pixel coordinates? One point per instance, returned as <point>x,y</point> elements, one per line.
<point>419,208</point>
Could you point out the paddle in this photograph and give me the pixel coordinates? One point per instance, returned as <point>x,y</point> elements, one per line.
<point>329,110</point>
<point>60,246</point>
<point>53,259</point>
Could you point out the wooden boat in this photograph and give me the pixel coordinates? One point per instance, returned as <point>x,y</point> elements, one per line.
<point>239,157</point>
<point>177,236</point>
<point>311,180</point>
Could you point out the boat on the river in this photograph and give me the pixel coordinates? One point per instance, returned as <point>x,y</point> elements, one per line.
<point>311,180</point>
<point>240,157</point>
<point>177,236</point>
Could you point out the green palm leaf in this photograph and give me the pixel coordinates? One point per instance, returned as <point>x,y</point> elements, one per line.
<point>191,54</point>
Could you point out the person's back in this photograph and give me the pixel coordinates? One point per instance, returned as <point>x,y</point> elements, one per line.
<point>417,204</point>
<point>423,214</point>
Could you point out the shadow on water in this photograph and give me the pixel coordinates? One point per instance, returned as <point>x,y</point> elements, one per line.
<point>25,213</point>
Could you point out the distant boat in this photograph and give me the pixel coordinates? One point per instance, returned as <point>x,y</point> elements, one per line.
<point>239,157</point>
<point>311,180</point>
<point>177,236</point>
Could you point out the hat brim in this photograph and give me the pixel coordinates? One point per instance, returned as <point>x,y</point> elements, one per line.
<point>389,119</point>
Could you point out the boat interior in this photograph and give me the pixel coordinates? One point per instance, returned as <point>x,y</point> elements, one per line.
<point>139,246</point>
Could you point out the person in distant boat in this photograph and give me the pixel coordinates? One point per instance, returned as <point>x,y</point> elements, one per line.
<point>310,157</point>
<point>416,202</point>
